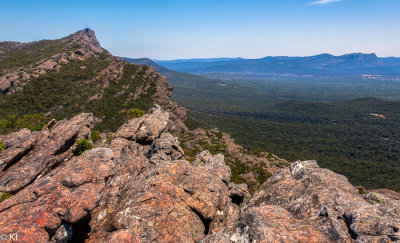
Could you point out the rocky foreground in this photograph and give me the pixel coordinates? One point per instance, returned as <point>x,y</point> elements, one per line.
<point>140,189</point>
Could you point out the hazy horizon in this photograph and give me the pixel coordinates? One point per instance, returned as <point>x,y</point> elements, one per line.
<point>233,57</point>
<point>175,29</point>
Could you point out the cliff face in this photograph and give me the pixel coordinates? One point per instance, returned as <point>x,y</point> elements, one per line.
<point>139,188</point>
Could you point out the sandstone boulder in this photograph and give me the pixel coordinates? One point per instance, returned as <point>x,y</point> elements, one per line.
<point>330,203</point>
<point>267,224</point>
<point>214,164</point>
<point>51,205</point>
<point>146,128</point>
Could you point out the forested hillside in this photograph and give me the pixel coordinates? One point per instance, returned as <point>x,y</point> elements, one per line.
<point>61,78</point>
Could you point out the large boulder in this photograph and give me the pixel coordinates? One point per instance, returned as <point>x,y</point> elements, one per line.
<point>267,224</point>
<point>214,164</point>
<point>330,203</point>
<point>146,128</point>
<point>169,202</point>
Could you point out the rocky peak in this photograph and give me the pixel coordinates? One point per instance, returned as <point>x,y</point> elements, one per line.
<point>86,39</point>
<point>45,56</point>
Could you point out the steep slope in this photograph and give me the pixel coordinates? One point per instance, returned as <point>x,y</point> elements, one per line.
<point>197,92</point>
<point>185,84</point>
<point>61,78</point>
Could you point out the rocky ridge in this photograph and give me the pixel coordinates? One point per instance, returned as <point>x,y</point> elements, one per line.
<point>139,188</point>
<point>78,46</point>
<point>64,77</point>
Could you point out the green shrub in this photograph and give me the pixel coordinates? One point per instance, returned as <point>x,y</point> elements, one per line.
<point>361,190</point>
<point>133,113</point>
<point>95,136</point>
<point>2,147</point>
<point>34,122</point>
<point>81,146</point>
<point>4,196</point>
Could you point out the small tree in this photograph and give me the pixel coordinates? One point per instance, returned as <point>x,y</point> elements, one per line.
<point>81,146</point>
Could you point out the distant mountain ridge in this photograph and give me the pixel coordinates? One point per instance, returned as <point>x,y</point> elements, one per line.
<point>218,59</point>
<point>319,65</point>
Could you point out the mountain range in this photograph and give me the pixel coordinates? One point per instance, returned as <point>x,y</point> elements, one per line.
<point>319,65</point>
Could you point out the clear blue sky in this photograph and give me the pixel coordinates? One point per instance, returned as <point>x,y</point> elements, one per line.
<point>172,29</point>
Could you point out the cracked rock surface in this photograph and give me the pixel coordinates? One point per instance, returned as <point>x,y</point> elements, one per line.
<point>139,189</point>
<point>33,152</point>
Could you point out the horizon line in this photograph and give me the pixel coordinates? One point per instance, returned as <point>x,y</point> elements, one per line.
<point>238,57</point>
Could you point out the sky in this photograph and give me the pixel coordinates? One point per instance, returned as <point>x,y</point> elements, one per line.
<point>179,29</point>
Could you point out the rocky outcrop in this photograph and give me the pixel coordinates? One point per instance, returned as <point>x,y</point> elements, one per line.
<point>7,80</point>
<point>140,189</point>
<point>329,203</point>
<point>7,46</point>
<point>156,196</point>
<point>85,39</point>
<point>49,208</point>
<point>146,128</point>
<point>214,164</point>
<point>29,154</point>
<point>305,203</point>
